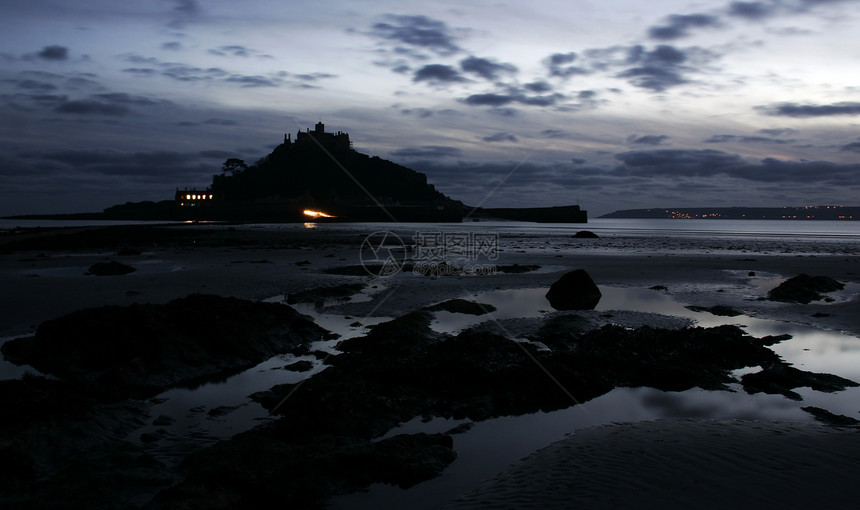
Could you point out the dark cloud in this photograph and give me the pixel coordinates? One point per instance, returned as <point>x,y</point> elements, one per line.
<point>559,65</point>
<point>183,12</point>
<point>466,177</point>
<point>112,162</point>
<point>486,68</point>
<point>680,162</point>
<point>427,151</point>
<point>745,139</point>
<point>250,81</point>
<point>678,26</point>
<point>134,58</point>
<point>647,139</point>
<point>488,100</point>
<point>657,69</point>
<point>172,46</point>
<point>752,10</point>
<point>513,96</point>
<point>141,71</point>
<point>233,50</point>
<point>851,147</point>
<point>92,107</point>
<point>438,73</point>
<point>33,85</point>
<point>811,110</point>
<point>313,76</point>
<point>538,86</point>
<point>79,83</point>
<point>420,112</point>
<point>417,31</point>
<point>683,163</point>
<point>220,122</point>
<point>557,133</point>
<point>504,112</point>
<point>217,154</point>
<point>128,99</point>
<point>54,52</point>
<point>579,161</point>
<point>114,104</point>
<point>186,73</point>
<point>778,132</point>
<point>500,137</point>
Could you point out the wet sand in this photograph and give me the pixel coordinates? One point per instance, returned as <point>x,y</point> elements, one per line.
<point>683,464</point>
<point>256,263</point>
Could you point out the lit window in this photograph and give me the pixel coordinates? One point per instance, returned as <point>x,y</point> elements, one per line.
<point>187,197</point>
<point>210,197</point>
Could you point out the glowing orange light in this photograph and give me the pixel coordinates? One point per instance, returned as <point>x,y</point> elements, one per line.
<point>316,214</point>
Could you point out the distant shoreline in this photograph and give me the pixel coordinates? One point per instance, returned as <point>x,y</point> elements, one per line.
<point>811,213</point>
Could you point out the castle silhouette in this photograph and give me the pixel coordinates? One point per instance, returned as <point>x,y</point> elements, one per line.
<point>319,138</point>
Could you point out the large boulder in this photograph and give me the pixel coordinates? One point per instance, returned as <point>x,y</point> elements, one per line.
<point>574,291</point>
<point>141,349</point>
<point>112,268</point>
<point>803,289</point>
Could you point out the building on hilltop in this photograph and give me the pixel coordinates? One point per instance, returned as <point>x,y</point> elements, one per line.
<point>319,138</point>
<point>193,197</point>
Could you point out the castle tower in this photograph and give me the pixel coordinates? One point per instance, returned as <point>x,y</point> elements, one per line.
<point>319,129</point>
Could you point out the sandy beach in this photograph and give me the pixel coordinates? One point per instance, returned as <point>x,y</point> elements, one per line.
<point>684,463</point>
<point>706,463</point>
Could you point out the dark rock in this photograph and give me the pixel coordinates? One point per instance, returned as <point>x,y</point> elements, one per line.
<point>259,467</point>
<point>300,366</point>
<point>774,339</point>
<point>658,287</point>
<point>151,437</point>
<point>751,273</point>
<point>163,421</point>
<point>321,355</point>
<point>112,268</point>
<point>517,268</point>
<point>356,324</point>
<point>462,306</point>
<point>461,428</point>
<point>586,234</point>
<point>804,289</point>
<point>60,449</point>
<point>721,310</point>
<point>403,369</point>
<point>120,351</point>
<point>820,315</point>
<point>322,293</point>
<point>126,251</point>
<point>217,412</point>
<point>836,420</point>
<point>780,378</point>
<point>574,291</point>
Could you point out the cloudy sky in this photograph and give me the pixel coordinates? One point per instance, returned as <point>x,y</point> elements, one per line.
<point>614,105</point>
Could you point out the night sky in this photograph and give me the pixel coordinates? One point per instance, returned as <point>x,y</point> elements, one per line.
<point>614,105</point>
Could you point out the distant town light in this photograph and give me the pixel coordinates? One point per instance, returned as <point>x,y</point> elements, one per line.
<point>316,214</point>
